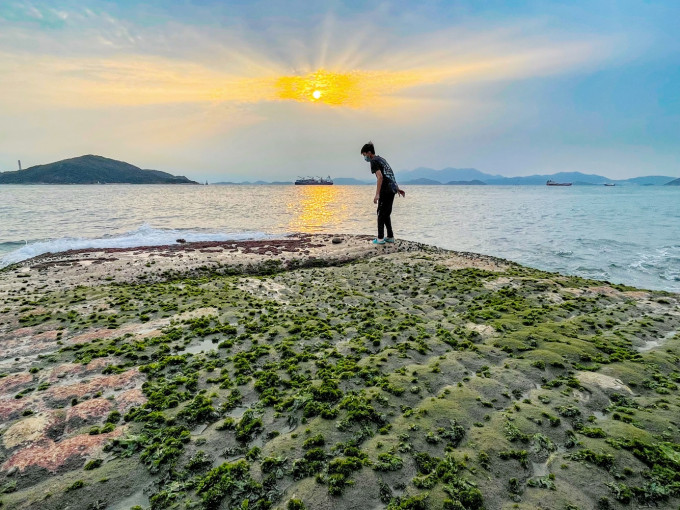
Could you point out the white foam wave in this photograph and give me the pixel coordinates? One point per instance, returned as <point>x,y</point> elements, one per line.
<point>145,235</point>
<point>665,258</point>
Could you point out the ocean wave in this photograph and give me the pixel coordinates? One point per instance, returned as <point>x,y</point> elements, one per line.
<point>597,273</point>
<point>666,258</point>
<point>145,235</point>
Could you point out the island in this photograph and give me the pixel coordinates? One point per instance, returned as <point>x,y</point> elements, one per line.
<point>90,169</point>
<point>675,182</point>
<point>321,372</point>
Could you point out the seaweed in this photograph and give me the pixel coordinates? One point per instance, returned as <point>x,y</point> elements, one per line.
<point>231,482</point>
<point>248,426</point>
<point>520,455</point>
<point>388,462</point>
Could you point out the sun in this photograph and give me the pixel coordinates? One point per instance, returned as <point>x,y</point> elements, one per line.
<point>350,89</point>
<point>320,86</point>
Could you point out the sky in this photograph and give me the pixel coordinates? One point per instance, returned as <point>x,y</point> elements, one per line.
<point>273,90</point>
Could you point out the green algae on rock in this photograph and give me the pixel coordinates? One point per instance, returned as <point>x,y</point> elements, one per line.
<point>306,374</point>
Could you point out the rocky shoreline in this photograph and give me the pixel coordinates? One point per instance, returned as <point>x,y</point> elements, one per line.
<point>320,371</point>
<point>80,267</point>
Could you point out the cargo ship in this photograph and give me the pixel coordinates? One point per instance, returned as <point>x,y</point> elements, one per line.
<point>307,181</point>
<point>553,183</point>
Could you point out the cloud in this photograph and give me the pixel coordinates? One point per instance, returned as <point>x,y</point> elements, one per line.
<point>361,71</point>
<point>169,93</point>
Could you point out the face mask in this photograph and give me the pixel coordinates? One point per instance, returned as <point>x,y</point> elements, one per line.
<point>366,158</point>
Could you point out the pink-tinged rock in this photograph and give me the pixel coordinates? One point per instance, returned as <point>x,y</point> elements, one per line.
<point>14,380</point>
<point>22,332</point>
<point>63,370</point>
<point>93,335</point>
<point>104,333</point>
<point>89,410</point>
<point>31,429</point>
<point>27,341</point>
<point>143,330</point>
<point>126,380</point>
<point>51,456</point>
<point>99,364</point>
<point>129,399</point>
<point>47,335</point>
<point>12,407</point>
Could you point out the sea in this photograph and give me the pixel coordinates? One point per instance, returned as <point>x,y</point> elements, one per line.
<point>621,234</point>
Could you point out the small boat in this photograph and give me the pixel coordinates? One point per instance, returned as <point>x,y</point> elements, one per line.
<point>307,181</point>
<point>553,183</point>
<point>610,184</point>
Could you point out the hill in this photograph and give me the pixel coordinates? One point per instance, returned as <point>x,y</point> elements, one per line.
<point>304,368</point>
<point>538,179</point>
<point>651,180</point>
<point>445,175</point>
<point>466,175</point>
<point>421,181</point>
<point>349,181</point>
<point>676,182</point>
<point>90,170</point>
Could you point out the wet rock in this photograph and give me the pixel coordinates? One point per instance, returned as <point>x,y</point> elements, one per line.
<point>604,382</point>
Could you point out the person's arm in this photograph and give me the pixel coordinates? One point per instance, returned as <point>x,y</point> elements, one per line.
<point>379,176</point>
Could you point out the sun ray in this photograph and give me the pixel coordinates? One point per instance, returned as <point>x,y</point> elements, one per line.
<point>360,73</point>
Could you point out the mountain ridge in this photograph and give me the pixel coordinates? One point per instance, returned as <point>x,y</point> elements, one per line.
<point>92,169</point>
<point>471,174</point>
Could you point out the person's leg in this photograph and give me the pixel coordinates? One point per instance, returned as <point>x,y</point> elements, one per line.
<point>388,200</point>
<point>381,219</point>
<point>388,226</point>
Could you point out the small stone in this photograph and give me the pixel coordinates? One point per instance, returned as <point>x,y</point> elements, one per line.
<point>181,241</point>
<point>336,240</point>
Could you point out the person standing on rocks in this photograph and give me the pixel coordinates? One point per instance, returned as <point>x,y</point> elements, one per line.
<point>384,194</point>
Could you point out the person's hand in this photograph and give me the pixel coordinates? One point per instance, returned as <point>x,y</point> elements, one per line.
<point>402,192</point>
<point>376,198</point>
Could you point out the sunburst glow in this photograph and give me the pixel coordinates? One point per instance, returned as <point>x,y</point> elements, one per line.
<point>351,89</point>
<point>331,88</point>
<point>255,77</point>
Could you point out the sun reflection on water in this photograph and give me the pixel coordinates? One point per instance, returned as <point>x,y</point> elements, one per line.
<point>316,209</point>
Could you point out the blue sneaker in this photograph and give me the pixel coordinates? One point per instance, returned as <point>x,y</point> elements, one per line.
<point>389,239</point>
<point>378,241</point>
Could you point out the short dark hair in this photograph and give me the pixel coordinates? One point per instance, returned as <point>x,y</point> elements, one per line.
<point>368,147</point>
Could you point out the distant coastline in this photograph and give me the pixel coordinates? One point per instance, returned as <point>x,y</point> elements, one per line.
<point>91,169</point>
<point>473,177</point>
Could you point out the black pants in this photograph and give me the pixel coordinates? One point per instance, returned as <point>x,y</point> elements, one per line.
<point>385,202</point>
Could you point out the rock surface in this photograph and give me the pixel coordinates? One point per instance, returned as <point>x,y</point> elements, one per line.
<point>343,375</point>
